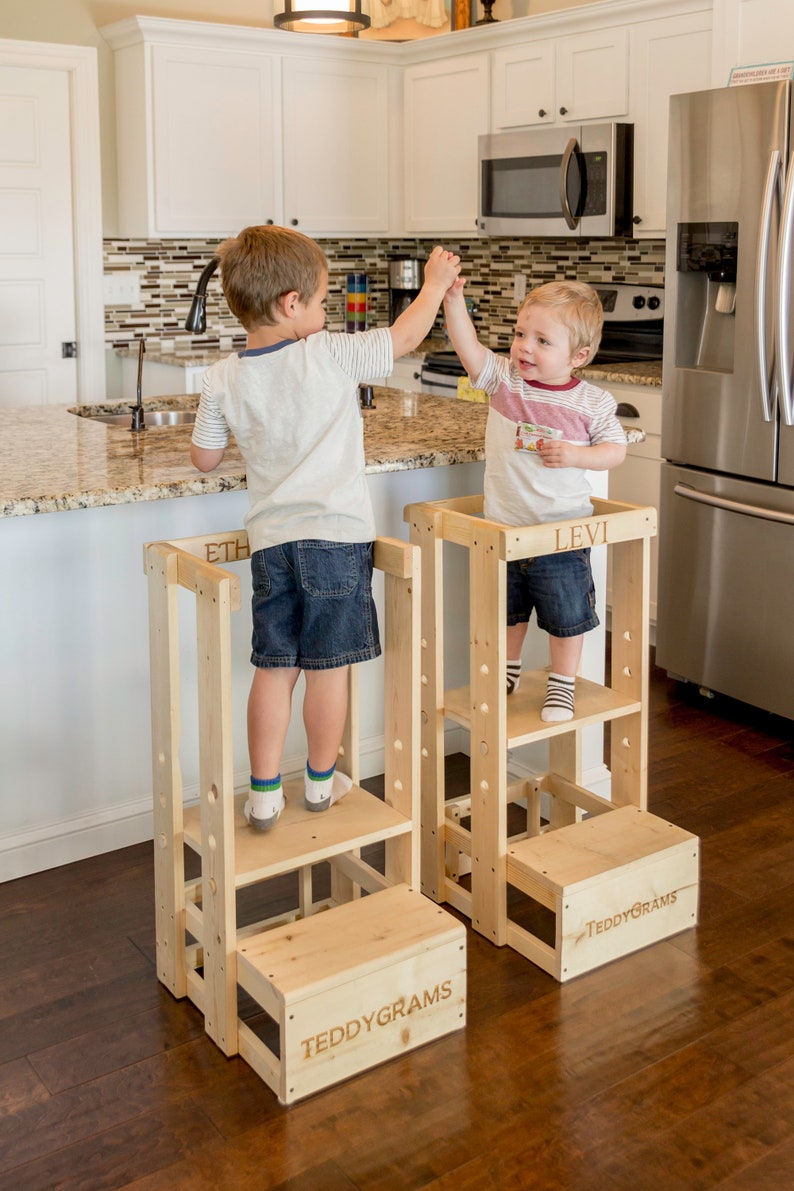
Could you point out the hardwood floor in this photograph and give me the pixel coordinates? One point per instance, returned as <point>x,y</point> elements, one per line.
<point>672,1068</point>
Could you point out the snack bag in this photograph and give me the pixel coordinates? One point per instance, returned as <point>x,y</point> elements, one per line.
<point>528,435</point>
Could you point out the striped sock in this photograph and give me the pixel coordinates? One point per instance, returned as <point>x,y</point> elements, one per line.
<point>265,802</point>
<point>322,788</point>
<point>559,699</point>
<point>513,675</point>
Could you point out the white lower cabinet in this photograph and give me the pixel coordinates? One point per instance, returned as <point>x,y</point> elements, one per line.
<point>637,479</point>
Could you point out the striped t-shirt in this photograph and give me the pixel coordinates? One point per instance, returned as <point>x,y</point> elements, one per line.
<point>518,489</point>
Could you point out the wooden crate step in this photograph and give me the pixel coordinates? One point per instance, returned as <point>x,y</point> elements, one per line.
<point>303,837</point>
<point>351,987</point>
<point>616,882</point>
<point>594,705</point>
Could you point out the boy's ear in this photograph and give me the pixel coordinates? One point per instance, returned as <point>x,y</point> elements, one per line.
<point>289,303</point>
<point>581,356</point>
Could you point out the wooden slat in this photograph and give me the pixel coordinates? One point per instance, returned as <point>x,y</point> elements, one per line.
<point>216,779</point>
<point>169,869</point>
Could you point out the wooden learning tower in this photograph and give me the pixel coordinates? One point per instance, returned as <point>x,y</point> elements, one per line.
<point>597,878</point>
<point>334,992</point>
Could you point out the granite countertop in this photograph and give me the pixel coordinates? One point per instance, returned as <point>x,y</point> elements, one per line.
<point>645,372</point>
<point>52,459</point>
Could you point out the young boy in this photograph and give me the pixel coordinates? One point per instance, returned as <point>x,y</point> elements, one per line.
<point>291,401</point>
<point>544,430</point>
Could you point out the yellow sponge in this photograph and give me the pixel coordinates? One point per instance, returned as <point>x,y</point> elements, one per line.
<point>467,392</point>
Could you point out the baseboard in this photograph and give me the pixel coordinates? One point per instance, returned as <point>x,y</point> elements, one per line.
<point>79,837</point>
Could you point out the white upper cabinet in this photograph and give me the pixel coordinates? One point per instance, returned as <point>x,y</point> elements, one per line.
<point>522,85</point>
<point>562,80</point>
<point>216,130</point>
<point>446,109</point>
<point>184,115</point>
<point>336,146</point>
<point>668,57</point>
<point>749,32</point>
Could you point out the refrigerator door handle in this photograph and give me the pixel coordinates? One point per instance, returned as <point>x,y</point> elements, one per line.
<point>571,148</point>
<point>761,269</point>
<point>783,302</point>
<point>732,506</point>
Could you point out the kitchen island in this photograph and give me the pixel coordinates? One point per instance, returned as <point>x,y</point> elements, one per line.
<point>73,600</point>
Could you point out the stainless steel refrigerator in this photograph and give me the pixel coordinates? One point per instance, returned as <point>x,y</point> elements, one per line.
<point>726,517</point>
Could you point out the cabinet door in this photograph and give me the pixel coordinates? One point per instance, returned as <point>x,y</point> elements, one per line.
<point>336,142</point>
<point>592,75</point>
<point>522,85</point>
<point>446,109</point>
<point>668,57</point>
<point>748,32</point>
<point>215,141</point>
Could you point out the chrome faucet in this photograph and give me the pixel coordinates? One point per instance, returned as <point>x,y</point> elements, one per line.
<point>196,320</point>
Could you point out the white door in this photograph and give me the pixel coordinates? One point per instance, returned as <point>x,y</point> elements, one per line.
<point>37,284</point>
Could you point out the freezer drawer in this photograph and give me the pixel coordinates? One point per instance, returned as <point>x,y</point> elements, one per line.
<point>726,582</point>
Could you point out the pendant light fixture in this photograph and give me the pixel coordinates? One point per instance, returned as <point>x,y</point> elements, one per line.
<point>311,16</point>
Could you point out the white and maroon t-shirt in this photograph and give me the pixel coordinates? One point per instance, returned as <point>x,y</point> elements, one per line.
<point>519,490</point>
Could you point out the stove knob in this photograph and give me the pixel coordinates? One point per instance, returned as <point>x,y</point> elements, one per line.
<point>654,303</point>
<point>638,302</point>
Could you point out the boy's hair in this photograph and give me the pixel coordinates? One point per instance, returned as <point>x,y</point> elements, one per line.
<point>261,264</point>
<point>577,306</point>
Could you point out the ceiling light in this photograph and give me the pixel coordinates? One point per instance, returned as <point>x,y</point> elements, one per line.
<point>309,16</point>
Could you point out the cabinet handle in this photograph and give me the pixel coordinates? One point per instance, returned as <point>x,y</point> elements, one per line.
<point>541,112</point>
<point>563,111</point>
<point>626,410</point>
<point>269,222</point>
<point>294,222</point>
<point>637,219</point>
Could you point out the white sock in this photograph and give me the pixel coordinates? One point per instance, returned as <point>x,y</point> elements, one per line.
<point>513,675</point>
<point>326,788</point>
<point>265,802</point>
<point>558,705</point>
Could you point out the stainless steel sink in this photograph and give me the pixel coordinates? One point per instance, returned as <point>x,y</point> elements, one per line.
<point>151,417</point>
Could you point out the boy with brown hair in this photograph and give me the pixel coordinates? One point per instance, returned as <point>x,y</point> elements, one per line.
<point>290,399</point>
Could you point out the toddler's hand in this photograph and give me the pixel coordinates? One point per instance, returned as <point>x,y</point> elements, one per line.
<point>555,452</point>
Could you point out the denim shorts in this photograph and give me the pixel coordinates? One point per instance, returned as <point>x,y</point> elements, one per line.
<point>312,605</point>
<point>559,587</point>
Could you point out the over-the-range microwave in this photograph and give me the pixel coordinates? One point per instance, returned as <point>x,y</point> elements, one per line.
<point>572,181</point>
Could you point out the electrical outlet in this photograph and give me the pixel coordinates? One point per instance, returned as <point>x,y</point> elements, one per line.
<point>519,287</point>
<point>121,289</point>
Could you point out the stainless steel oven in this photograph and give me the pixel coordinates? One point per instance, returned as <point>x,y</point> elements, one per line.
<point>572,181</point>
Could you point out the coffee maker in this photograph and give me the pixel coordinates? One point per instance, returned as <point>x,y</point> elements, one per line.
<point>405,282</point>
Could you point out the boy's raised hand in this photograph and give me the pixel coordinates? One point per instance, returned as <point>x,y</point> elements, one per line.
<point>442,268</point>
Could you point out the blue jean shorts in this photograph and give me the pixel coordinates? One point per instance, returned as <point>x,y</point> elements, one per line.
<point>312,605</point>
<point>558,587</point>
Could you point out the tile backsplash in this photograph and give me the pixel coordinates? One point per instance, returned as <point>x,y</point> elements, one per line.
<point>169,270</point>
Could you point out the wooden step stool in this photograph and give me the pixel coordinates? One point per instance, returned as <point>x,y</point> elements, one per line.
<point>198,939</point>
<point>349,989</point>
<point>469,866</point>
<point>615,882</point>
